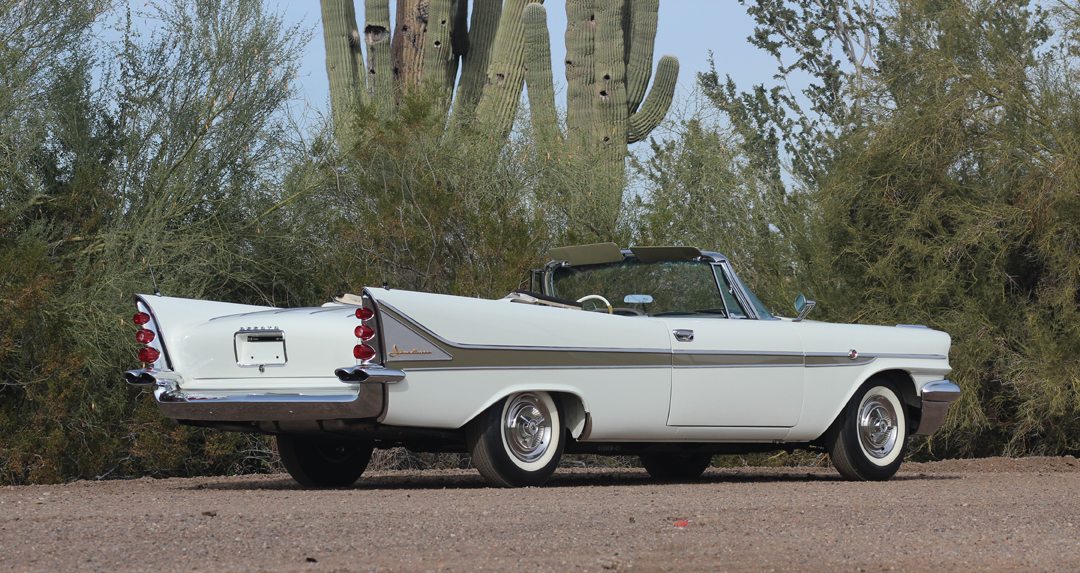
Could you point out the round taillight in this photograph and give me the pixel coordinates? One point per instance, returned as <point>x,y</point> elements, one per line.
<point>364,332</point>
<point>363,352</point>
<point>140,318</point>
<point>365,313</point>
<point>144,336</point>
<point>148,355</point>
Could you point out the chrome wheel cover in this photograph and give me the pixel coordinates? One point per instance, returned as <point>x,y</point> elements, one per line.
<point>878,429</point>
<point>527,427</point>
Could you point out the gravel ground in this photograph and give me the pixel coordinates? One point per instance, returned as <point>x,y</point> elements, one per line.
<point>985,515</point>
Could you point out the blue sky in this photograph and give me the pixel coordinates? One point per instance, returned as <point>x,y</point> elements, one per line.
<point>688,29</point>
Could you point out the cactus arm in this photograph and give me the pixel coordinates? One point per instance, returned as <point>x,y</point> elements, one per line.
<point>640,41</point>
<point>439,53</point>
<point>380,69</point>
<point>609,103</point>
<point>659,101</point>
<point>486,15</point>
<point>407,49</point>
<point>343,59</point>
<point>506,72</point>
<point>538,76</point>
<point>580,65</point>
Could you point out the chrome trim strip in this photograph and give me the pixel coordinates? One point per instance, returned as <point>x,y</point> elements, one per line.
<point>706,366</point>
<point>911,356</point>
<point>743,352</point>
<point>741,360</point>
<point>882,355</point>
<point>471,368</point>
<point>820,361</point>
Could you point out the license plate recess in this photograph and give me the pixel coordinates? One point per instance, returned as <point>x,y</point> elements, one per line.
<point>260,348</point>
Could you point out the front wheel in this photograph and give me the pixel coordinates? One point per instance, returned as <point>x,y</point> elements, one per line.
<point>321,462</point>
<point>518,441</point>
<point>869,442</point>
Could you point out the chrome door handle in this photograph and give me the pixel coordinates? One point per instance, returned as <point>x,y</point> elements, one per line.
<point>683,335</point>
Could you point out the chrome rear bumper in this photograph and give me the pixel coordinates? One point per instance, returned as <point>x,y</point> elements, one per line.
<point>364,401</point>
<point>936,399</point>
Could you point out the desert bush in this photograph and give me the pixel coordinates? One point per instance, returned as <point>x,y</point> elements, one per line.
<point>165,161</point>
<point>925,174</point>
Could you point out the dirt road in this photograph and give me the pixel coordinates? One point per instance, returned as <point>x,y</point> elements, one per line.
<point>996,514</point>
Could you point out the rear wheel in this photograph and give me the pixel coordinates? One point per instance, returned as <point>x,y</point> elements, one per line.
<point>676,467</point>
<point>518,441</point>
<point>869,441</point>
<point>322,462</point>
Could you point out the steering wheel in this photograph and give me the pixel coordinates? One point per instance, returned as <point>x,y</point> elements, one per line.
<point>610,309</point>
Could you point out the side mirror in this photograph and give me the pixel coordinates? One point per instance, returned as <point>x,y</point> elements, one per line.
<point>638,299</point>
<point>803,307</point>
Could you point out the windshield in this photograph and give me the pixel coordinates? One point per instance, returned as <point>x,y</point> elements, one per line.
<point>675,287</point>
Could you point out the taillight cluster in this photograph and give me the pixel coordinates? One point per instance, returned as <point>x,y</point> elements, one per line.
<point>147,355</point>
<point>364,334</point>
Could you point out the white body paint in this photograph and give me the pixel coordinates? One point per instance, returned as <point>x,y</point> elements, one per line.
<point>624,402</point>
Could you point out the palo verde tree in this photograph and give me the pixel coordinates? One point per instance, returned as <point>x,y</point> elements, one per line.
<point>934,148</point>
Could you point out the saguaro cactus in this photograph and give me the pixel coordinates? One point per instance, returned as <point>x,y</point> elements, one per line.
<point>343,59</point>
<point>609,46</point>
<point>506,46</point>
<point>429,45</point>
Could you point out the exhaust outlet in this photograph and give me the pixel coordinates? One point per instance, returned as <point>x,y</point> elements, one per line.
<point>140,378</point>
<point>371,373</point>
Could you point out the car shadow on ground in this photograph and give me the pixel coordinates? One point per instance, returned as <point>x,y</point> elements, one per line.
<point>435,479</point>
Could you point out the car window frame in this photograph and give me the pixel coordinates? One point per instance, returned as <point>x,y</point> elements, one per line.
<point>749,310</point>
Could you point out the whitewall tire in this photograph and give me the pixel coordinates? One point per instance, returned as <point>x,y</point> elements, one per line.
<point>518,441</point>
<point>870,438</point>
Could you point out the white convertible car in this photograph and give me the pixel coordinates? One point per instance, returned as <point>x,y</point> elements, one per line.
<point>660,352</point>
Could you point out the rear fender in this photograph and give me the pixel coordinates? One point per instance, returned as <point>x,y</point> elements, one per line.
<point>171,318</point>
<point>575,409</point>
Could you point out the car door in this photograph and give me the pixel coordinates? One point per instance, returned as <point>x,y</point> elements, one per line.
<point>735,371</point>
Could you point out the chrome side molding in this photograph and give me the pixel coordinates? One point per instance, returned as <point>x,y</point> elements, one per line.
<point>370,373</point>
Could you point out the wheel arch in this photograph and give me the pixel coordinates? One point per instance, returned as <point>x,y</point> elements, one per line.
<point>901,379</point>
<point>575,410</point>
